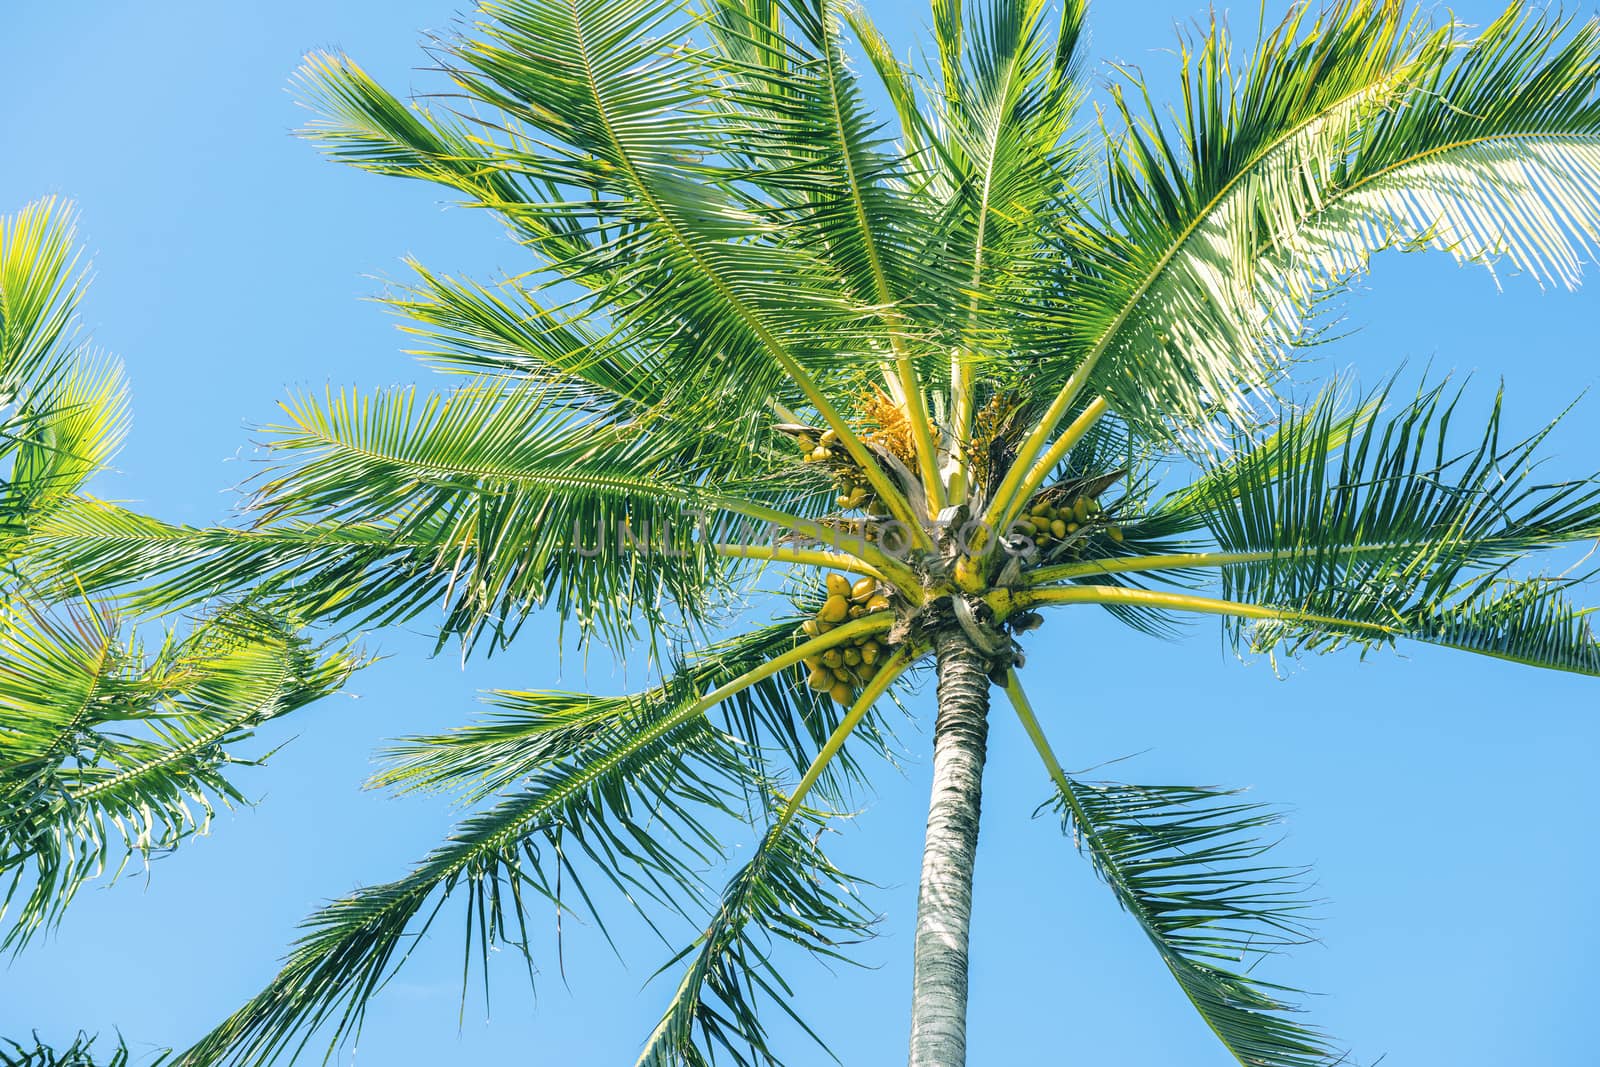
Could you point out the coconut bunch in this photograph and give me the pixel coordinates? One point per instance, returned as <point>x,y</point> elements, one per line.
<point>843,670</point>
<point>1051,524</point>
<point>991,449</point>
<point>824,447</point>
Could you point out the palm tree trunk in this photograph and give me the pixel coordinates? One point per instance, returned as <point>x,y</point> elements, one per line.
<point>944,905</point>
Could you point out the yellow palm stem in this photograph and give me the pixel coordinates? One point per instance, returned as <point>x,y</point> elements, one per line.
<point>1030,725</point>
<point>904,578</point>
<point>1149,598</point>
<point>892,668</point>
<point>839,561</point>
<point>921,429</point>
<point>1035,441</point>
<point>960,425</point>
<point>1175,561</point>
<point>785,413</point>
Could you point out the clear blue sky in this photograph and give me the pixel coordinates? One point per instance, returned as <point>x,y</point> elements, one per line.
<point>1443,798</point>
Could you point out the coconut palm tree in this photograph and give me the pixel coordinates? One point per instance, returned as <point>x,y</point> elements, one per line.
<point>931,376</point>
<point>111,747</point>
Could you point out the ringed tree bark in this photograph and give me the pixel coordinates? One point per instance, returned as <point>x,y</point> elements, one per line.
<point>944,901</point>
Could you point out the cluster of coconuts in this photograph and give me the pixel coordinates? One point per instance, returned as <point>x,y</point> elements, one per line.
<point>843,669</point>
<point>854,493</point>
<point>1050,524</point>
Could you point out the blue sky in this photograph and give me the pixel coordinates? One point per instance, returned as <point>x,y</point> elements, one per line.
<point>1444,799</point>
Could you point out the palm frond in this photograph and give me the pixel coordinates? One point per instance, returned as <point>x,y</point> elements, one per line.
<point>1007,108</point>
<point>62,435</point>
<point>1524,620</point>
<point>649,200</point>
<point>108,749</point>
<point>1358,131</point>
<point>519,502</point>
<point>1186,862</point>
<point>80,1053</point>
<point>1381,519</point>
<point>636,804</point>
<point>790,891</point>
<point>1388,499</point>
<point>470,327</point>
<point>777,719</point>
<point>39,290</point>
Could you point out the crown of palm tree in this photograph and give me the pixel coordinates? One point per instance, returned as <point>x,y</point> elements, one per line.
<point>767,339</point>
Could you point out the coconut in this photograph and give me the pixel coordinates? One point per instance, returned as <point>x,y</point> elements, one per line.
<point>834,609</point>
<point>841,694</point>
<point>820,680</point>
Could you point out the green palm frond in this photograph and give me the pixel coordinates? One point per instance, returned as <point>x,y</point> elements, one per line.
<point>39,291</point>
<point>64,435</point>
<point>636,202</point>
<point>1187,863</point>
<point>787,892</point>
<point>63,411</point>
<point>80,1053</point>
<point>593,805</point>
<point>636,804</point>
<point>1364,520</point>
<point>790,891</point>
<point>95,547</point>
<point>1397,505</point>
<point>1369,527</point>
<point>840,184</point>
<point>1005,112</point>
<point>1356,132</point>
<point>506,331</point>
<point>776,719</point>
<point>353,574</point>
<point>1524,620</point>
<point>106,748</point>
<point>518,502</point>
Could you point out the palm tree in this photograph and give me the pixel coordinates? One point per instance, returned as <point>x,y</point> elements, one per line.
<point>111,747</point>
<point>926,376</point>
